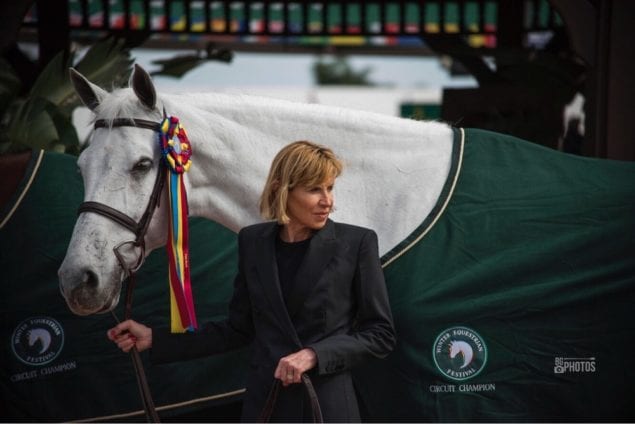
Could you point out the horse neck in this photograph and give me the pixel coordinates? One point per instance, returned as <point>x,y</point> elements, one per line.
<point>234,139</point>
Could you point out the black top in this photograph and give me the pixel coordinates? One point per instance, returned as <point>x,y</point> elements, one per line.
<point>288,258</point>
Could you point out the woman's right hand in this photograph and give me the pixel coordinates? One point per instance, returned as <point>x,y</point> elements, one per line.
<point>130,333</point>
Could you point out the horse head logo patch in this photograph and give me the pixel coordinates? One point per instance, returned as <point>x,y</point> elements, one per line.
<point>41,338</point>
<point>464,349</point>
<point>459,353</point>
<point>37,340</point>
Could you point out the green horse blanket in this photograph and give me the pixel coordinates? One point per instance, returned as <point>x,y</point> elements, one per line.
<point>512,301</point>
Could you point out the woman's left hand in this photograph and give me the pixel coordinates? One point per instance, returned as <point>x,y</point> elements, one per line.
<point>291,367</point>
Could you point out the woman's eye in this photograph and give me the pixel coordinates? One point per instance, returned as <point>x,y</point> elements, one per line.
<point>143,165</point>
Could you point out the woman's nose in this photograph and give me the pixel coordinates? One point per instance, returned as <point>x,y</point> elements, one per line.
<point>326,199</point>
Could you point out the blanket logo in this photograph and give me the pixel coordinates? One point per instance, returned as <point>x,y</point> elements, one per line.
<point>459,353</point>
<point>37,340</point>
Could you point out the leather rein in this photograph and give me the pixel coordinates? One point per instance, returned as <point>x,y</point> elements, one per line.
<point>314,403</point>
<point>139,229</point>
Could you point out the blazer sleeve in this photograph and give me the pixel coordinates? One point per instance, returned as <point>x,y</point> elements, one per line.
<point>214,337</point>
<point>372,334</point>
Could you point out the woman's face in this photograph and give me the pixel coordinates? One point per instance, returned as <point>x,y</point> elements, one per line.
<point>308,208</point>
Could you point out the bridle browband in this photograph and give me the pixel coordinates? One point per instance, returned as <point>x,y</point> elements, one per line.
<point>128,122</point>
<point>139,229</point>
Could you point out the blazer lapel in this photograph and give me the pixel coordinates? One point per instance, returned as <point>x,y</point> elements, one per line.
<point>320,252</point>
<point>268,273</point>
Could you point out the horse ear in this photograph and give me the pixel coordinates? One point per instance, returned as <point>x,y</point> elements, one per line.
<point>90,94</point>
<point>142,85</point>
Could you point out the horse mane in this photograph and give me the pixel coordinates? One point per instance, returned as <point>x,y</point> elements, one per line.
<point>244,108</point>
<point>123,103</point>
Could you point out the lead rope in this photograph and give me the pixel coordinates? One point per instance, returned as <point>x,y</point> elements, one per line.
<point>139,229</point>
<point>142,382</point>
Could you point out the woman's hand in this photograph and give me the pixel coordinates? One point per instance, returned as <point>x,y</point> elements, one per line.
<point>291,367</point>
<point>129,333</point>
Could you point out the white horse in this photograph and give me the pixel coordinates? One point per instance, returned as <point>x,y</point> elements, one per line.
<point>475,228</point>
<point>395,171</point>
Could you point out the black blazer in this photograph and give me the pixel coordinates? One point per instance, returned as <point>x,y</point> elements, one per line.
<point>338,306</point>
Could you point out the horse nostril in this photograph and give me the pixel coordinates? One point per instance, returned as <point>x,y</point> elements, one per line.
<point>91,280</point>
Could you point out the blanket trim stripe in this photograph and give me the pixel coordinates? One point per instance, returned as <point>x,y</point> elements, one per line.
<point>165,407</point>
<point>442,202</point>
<point>29,175</point>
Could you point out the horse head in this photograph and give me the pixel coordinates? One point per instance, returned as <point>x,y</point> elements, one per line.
<point>119,168</point>
<point>464,349</point>
<point>42,336</point>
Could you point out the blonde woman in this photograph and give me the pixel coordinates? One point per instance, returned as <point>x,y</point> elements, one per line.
<point>309,294</point>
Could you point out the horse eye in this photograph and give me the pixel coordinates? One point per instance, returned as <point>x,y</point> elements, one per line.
<point>143,165</point>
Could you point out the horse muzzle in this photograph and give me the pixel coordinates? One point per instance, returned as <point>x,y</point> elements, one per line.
<point>85,294</point>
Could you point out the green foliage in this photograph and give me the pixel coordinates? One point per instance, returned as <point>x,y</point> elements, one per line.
<point>178,66</point>
<point>42,118</point>
<point>9,84</point>
<point>340,72</point>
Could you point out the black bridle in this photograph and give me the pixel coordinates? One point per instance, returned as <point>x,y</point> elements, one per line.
<point>139,229</point>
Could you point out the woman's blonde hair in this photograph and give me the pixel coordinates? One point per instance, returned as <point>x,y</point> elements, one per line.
<point>302,164</point>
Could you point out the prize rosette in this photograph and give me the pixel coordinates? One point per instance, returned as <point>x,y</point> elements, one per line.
<point>175,146</point>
